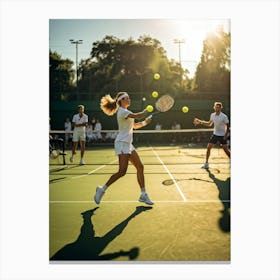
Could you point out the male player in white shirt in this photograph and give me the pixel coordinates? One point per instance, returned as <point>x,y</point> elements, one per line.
<point>221,130</point>
<point>79,122</point>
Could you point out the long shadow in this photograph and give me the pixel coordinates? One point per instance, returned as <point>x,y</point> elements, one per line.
<point>89,247</point>
<point>63,168</point>
<point>224,196</point>
<point>56,180</point>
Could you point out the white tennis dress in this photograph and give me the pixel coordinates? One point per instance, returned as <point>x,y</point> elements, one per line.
<point>124,139</point>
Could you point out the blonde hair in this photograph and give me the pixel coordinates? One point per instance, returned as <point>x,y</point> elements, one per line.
<point>219,104</point>
<point>111,105</point>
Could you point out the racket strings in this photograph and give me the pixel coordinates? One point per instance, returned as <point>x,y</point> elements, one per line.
<point>164,103</point>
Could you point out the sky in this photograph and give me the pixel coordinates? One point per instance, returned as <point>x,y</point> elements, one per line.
<point>191,31</point>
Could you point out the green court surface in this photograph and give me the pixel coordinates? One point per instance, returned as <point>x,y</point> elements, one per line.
<point>189,221</point>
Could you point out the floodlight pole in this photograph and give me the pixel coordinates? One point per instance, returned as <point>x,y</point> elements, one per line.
<point>179,42</point>
<point>141,89</point>
<point>76,42</point>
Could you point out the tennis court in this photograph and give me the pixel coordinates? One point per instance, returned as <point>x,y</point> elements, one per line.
<point>190,220</point>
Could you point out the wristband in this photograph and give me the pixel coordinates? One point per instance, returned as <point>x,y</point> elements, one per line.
<point>144,123</point>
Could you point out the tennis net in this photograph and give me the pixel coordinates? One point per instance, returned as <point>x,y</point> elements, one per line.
<point>193,137</point>
<point>100,145</point>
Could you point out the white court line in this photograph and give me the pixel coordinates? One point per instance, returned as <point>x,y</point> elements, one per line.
<point>94,170</point>
<point>170,175</point>
<point>136,201</point>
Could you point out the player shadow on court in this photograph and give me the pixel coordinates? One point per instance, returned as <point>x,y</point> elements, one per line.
<point>224,196</point>
<point>63,168</point>
<point>89,247</point>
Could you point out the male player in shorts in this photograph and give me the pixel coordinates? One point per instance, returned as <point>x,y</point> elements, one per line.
<point>79,122</point>
<point>221,130</point>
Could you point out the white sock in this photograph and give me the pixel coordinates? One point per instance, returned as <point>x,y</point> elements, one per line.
<point>104,188</point>
<point>143,190</point>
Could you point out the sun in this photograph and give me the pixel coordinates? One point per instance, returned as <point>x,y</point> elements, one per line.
<point>186,36</point>
<point>197,30</point>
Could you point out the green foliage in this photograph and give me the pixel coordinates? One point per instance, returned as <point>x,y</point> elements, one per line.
<point>213,71</point>
<point>129,65</point>
<point>61,76</point>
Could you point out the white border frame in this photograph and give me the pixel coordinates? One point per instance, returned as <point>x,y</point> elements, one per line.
<point>255,138</point>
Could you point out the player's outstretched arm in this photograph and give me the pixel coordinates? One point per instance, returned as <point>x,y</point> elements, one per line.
<point>143,123</point>
<point>138,116</point>
<point>197,121</point>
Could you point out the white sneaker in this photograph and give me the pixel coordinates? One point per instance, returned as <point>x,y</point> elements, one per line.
<point>82,162</point>
<point>145,198</point>
<point>205,166</point>
<point>98,195</point>
<point>72,159</point>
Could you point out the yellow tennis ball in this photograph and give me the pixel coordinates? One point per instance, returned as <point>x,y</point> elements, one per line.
<point>154,94</point>
<point>185,109</point>
<point>150,108</point>
<point>156,76</point>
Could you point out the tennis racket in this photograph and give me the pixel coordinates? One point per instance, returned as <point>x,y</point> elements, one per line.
<point>163,104</point>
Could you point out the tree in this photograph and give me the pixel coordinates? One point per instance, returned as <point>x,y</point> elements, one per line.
<point>129,65</point>
<point>61,76</point>
<point>213,71</point>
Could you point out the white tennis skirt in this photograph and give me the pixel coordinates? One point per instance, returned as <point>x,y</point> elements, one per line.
<point>123,148</point>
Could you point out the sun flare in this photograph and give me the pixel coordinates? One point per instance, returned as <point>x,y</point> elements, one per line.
<point>191,34</point>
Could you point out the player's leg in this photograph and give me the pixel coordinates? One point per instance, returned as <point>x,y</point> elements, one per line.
<point>74,147</point>
<point>225,148</point>
<point>83,145</point>
<point>66,139</point>
<point>123,164</point>
<point>75,140</point>
<point>136,161</point>
<point>81,137</point>
<point>208,152</point>
<point>212,141</point>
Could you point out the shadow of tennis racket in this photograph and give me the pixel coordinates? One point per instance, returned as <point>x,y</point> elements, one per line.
<point>170,182</point>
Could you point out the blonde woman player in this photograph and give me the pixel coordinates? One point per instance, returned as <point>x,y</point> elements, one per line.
<point>123,142</point>
<point>79,122</point>
<point>221,130</point>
